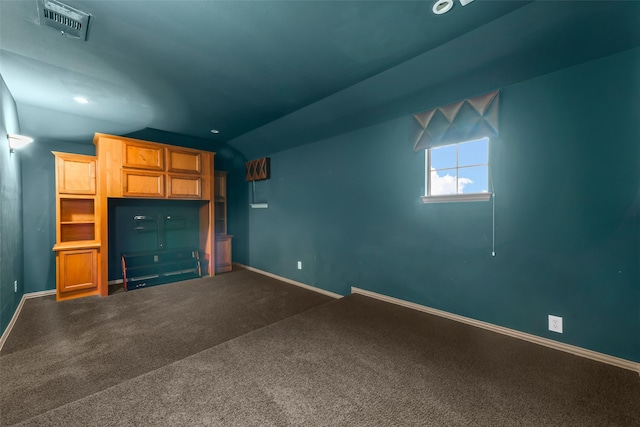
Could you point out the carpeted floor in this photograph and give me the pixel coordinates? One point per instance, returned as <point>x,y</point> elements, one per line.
<point>354,361</point>
<point>61,352</point>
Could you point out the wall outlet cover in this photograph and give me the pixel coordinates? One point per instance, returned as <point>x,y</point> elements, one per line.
<point>299,265</point>
<point>555,324</point>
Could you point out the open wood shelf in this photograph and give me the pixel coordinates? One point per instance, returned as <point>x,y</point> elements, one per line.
<point>77,245</point>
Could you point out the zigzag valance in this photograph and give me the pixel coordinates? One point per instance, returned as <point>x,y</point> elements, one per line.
<point>466,120</point>
<point>258,169</point>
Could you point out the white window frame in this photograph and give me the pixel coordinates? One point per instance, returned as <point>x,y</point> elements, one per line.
<point>460,197</point>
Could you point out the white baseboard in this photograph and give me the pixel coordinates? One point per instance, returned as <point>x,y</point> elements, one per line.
<point>14,318</point>
<point>292,282</point>
<point>568,348</point>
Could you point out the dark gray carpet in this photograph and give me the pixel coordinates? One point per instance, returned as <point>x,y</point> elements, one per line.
<point>358,361</point>
<point>60,352</point>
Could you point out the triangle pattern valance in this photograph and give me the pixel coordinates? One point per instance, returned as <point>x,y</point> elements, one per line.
<point>466,120</point>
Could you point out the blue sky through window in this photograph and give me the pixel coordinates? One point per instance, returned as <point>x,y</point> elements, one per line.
<point>460,168</point>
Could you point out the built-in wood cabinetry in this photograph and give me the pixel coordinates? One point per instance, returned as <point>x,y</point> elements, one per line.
<point>129,168</point>
<point>223,240</point>
<point>161,171</point>
<point>77,226</point>
<point>78,271</point>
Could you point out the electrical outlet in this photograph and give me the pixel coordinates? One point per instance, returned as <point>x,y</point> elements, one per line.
<point>15,286</point>
<point>555,324</point>
<point>299,265</point>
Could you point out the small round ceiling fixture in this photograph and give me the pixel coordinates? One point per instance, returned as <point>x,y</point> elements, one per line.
<point>81,99</point>
<point>442,6</point>
<point>215,131</point>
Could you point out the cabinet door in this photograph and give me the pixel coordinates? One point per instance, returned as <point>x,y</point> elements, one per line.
<point>76,174</point>
<point>184,187</point>
<point>142,156</point>
<point>142,184</point>
<point>184,161</point>
<point>77,270</point>
<point>223,254</point>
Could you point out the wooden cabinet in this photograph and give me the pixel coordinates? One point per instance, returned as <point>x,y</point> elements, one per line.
<point>77,270</point>
<point>131,168</point>
<point>182,161</point>
<point>143,169</point>
<point>75,174</point>
<point>223,240</point>
<point>140,155</point>
<point>184,187</point>
<point>77,226</point>
<point>142,184</point>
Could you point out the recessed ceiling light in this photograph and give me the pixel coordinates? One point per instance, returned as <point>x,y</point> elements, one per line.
<point>442,6</point>
<point>81,100</point>
<point>215,131</point>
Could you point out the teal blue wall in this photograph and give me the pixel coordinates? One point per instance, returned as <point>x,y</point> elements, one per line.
<point>566,172</point>
<point>39,210</point>
<point>38,178</point>
<point>10,212</point>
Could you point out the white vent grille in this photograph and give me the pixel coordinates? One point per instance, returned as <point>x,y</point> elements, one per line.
<point>70,21</point>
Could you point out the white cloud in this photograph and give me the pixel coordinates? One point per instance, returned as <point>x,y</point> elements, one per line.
<point>446,184</point>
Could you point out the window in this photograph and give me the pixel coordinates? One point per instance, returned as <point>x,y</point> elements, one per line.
<point>458,172</point>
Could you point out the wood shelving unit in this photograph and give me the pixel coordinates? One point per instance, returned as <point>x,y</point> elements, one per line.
<point>223,240</point>
<point>77,226</point>
<point>130,168</point>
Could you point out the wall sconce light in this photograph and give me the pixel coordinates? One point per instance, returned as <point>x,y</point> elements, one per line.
<point>18,141</point>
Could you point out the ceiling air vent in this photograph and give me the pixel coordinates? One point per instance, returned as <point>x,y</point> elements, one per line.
<point>69,20</point>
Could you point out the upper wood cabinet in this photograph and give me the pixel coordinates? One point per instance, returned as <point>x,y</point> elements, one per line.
<point>184,187</point>
<point>142,156</point>
<point>182,161</point>
<point>142,184</point>
<point>132,168</point>
<point>135,168</point>
<point>76,174</point>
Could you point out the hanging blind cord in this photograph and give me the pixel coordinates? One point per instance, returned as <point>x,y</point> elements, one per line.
<point>493,215</point>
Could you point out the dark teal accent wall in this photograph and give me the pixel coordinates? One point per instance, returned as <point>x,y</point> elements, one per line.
<point>39,210</point>
<point>566,172</point>
<point>10,212</point>
<point>38,177</point>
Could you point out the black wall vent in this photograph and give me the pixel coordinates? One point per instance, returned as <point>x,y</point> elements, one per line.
<point>70,21</point>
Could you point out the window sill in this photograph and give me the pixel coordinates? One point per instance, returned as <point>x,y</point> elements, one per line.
<point>453,198</point>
